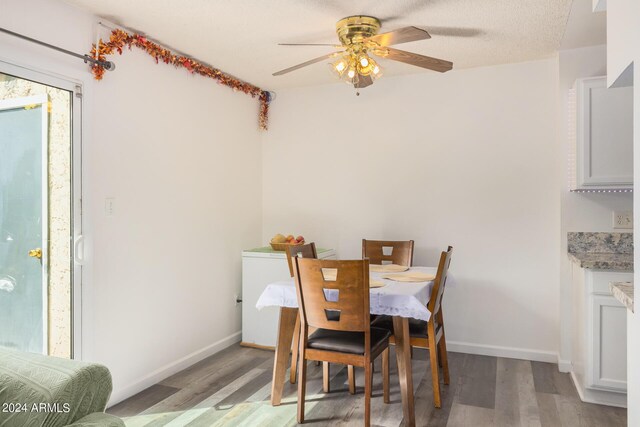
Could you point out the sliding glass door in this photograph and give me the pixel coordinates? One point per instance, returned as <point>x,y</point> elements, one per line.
<point>23,223</point>
<point>37,216</point>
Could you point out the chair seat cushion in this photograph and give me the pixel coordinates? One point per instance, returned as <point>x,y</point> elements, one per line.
<point>417,328</point>
<point>347,342</point>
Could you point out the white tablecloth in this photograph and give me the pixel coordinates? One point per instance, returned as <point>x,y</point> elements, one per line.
<point>394,299</point>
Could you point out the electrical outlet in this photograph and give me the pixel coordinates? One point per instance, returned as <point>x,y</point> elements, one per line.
<point>109,207</point>
<point>623,220</point>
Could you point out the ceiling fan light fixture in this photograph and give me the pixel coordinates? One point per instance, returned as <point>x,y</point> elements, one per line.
<point>359,38</point>
<point>352,81</point>
<point>376,73</point>
<point>340,65</point>
<point>366,65</point>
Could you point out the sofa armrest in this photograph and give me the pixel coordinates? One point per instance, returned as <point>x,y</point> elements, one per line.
<point>50,391</point>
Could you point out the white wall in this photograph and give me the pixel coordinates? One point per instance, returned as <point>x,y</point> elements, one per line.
<point>186,183</point>
<point>467,158</point>
<point>181,157</point>
<point>622,36</point>
<point>579,211</point>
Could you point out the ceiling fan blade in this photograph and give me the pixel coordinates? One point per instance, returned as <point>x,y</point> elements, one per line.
<point>309,44</point>
<point>455,31</point>
<point>363,81</point>
<point>428,62</point>
<point>309,62</point>
<point>401,35</point>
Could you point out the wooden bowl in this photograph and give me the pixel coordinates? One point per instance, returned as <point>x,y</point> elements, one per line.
<point>283,246</point>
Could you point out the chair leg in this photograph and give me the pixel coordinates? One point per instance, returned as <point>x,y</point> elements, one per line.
<point>367,395</point>
<point>325,377</point>
<point>433,356</point>
<point>294,351</point>
<point>302,385</point>
<point>385,375</point>
<point>444,361</point>
<point>371,388</point>
<point>351,379</point>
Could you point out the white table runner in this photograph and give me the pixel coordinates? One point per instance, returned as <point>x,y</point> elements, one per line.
<point>395,299</point>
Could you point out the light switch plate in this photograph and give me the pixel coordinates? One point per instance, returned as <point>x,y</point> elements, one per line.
<point>109,207</point>
<point>623,220</point>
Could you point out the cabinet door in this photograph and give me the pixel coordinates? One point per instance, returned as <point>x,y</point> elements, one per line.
<point>604,135</point>
<point>607,345</point>
<point>260,327</point>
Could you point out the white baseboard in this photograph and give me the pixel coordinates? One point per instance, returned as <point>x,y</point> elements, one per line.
<point>163,372</point>
<point>564,365</point>
<point>499,351</point>
<point>599,397</point>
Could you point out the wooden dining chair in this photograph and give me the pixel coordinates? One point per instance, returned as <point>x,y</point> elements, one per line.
<point>429,335</point>
<point>303,251</point>
<point>337,305</point>
<point>401,251</point>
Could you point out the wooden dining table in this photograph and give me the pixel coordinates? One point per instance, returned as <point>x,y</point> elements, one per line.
<point>401,300</point>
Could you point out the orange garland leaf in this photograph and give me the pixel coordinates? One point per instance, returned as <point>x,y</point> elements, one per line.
<point>119,39</point>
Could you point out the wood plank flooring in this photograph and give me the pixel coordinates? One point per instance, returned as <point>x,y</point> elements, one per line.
<point>233,387</point>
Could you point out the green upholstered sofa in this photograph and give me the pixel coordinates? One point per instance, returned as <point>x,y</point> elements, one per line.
<point>44,391</point>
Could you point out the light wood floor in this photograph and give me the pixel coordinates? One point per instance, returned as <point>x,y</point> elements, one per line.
<point>232,388</point>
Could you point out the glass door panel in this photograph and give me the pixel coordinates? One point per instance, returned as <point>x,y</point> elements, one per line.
<point>37,212</point>
<point>23,225</point>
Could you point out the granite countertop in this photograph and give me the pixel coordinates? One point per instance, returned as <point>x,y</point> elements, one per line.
<point>623,292</point>
<point>603,261</point>
<point>601,251</point>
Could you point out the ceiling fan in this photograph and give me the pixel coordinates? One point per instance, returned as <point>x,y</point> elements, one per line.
<point>359,37</point>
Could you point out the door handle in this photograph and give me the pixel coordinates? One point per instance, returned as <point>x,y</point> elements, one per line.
<point>77,257</point>
<point>36,253</point>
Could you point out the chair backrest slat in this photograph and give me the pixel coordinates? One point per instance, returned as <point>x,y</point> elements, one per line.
<point>401,251</point>
<point>333,294</point>
<point>302,251</point>
<point>437,292</point>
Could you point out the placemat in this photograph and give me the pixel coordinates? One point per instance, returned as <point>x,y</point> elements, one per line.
<point>376,283</point>
<point>410,277</point>
<point>387,268</point>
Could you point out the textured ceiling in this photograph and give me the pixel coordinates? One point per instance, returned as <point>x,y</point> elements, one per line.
<point>241,36</point>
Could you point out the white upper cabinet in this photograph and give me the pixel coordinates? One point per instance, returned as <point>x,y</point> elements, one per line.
<point>601,136</point>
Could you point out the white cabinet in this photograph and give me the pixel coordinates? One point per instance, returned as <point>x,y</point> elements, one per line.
<point>261,266</point>
<point>599,341</point>
<point>601,136</point>
<point>607,344</point>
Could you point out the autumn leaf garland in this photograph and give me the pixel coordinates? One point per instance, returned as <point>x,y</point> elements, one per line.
<point>119,39</point>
